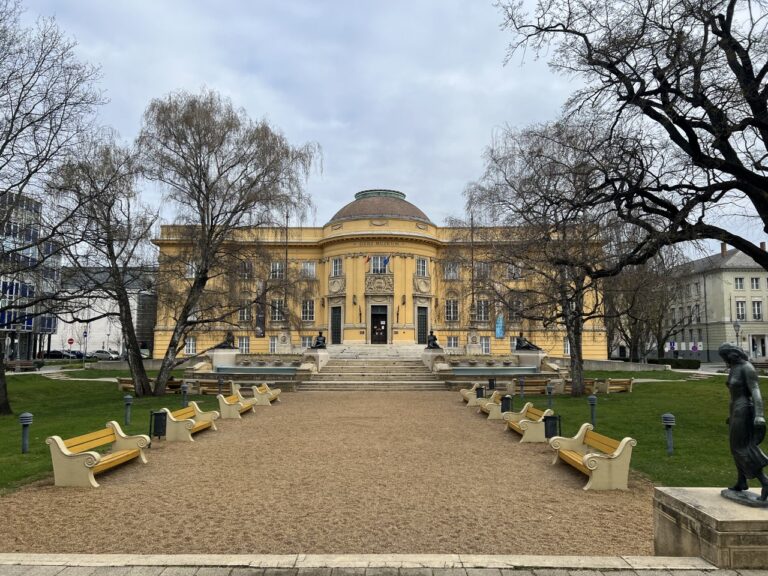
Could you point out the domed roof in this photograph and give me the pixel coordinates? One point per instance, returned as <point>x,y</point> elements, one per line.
<point>380,204</point>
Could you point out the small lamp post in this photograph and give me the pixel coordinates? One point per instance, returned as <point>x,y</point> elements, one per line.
<point>550,390</point>
<point>25,419</point>
<point>128,400</point>
<point>668,420</point>
<point>521,381</point>
<point>184,390</point>
<point>506,403</point>
<point>737,329</point>
<point>220,383</point>
<point>592,401</point>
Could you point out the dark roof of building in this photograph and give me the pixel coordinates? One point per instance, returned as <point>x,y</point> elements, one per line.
<point>731,259</point>
<point>380,204</point>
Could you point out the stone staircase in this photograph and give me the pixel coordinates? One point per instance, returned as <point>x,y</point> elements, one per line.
<point>374,373</point>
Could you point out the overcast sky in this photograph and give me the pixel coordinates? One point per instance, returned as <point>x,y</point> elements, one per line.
<point>401,94</point>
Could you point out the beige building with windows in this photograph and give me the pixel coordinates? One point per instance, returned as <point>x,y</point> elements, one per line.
<point>380,272</point>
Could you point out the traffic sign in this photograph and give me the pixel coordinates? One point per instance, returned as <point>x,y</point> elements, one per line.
<point>70,341</point>
<point>85,334</point>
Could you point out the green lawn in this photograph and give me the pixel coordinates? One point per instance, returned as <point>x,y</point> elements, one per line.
<point>701,457</point>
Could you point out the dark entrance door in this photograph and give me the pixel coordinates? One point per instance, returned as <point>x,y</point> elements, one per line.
<point>336,325</point>
<point>421,325</point>
<point>378,324</point>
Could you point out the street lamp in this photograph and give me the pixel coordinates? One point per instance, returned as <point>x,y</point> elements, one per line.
<point>737,329</point>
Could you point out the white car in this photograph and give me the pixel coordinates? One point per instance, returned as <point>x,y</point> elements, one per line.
<point>106,355</point>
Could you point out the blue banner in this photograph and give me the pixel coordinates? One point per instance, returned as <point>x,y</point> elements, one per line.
<point>500,326</point>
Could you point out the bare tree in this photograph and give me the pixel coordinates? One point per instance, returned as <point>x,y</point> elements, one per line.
<point>682,87</point>
<point>224,173</point>
<point>47,99</point>
<point>115,257</point>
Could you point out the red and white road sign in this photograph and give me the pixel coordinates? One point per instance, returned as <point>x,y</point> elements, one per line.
<point>70,341</point>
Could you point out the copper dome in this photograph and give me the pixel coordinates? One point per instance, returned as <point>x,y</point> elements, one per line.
<point>380,204</point>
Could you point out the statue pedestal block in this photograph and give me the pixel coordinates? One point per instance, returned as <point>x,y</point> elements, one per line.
<point>700,522</point>
<point>429,355</point>
<point>222,357</point>
<point>318,357</point>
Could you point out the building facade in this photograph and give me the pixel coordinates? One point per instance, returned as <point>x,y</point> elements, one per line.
<point>379,272</point>
<point>723,299</point>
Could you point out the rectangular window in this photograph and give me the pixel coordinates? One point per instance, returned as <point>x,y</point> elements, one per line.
<point>672,318</point>
<point>738,283</point>
<point>308,270</point>
<point>757,310</point>
<point>421,267</point>
<point>244,315</point>
<point>485,344</point>
<point>277,310</point>
<point>697,288</point>
<point>699,335</point>
<point>191,270</point>
<point>379,264</point>
<point>306,341</point>
<point>754,283</point>
<point>190,346</point>
<point>451,270</point>
<point>482,270</point>
<point>308,311</point>
<point>452,342</point>
<point>690,314</point>
<point>336,268</point>
<point>277,270</point>
<point>245,271</point>
<point>513,272</point>
<point>272,344</point>
<point>566,346</point>
<point>482,311</point>
<point>696,314</point>
<point>741,310</point>
<point>244,344</point>
<point>516,311</point>
<point>451,310</point>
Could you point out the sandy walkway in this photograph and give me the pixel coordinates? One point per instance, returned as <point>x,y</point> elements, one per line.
<point>338,473</point>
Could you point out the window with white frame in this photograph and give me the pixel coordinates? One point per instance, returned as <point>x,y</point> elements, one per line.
<point>738,283</point>
<point>514,272</point>
<point>306,341</point>
<point>308,311</point>
<point>754,283</point>
<point>696,313</point>
<point>515,310</point>
<point>452,342</point>
<point>741,310</point>
<point>379,264</point>
<point>244,314</point>
<point>244,344</point>
<point>190,346</point>
<point>451,310</point>
<point>566,346</point>
<point>336,267</point>
<point>482,270</point>
<point>191,270</point>
<point>245,271</point>
<point>421,267</point>
<point>482,310</point>
<point>451,270</point>
<point>277,309</point>
<point>277,270</point>
<point>757,310</point>
<point>272,344</point>
<point>696,288</point>
<point>485,344</point>
<point>308,269</point>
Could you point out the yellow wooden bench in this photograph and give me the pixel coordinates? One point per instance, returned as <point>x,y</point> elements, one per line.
<point>206,386</point>
<point>605,460</point>
<point>182,423</point>
<point>230,407</point>
<point>612,385</point>
<point>468,393</point>
<point>75,462</point>
<point>528,422</point>
<point>532,385</point>
<point>492,407</point>
<point>264,395</point>
<point>172,386</point>
<point>567,386</point>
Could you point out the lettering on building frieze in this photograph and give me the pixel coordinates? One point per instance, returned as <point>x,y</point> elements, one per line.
<point>379,243</point>
<point>379,284</point>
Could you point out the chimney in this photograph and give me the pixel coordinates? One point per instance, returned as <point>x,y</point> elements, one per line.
<point>762,246</point>
<point>723,249</point>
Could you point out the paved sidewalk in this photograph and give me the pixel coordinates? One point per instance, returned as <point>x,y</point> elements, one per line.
<point>355,565</point>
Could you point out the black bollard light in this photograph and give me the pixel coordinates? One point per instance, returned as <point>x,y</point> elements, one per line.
<point>25,419</point>
<point>521,381</point>
<point>128,399</point>
<point>480,392</point>
<point>592,400</point>
<point>184,390</point>
<point>221,383</point>
<point>506,403</point>
<point>550,390</point>
<point>668,420</point>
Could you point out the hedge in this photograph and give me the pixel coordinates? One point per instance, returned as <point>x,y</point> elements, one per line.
<point>682,363</point>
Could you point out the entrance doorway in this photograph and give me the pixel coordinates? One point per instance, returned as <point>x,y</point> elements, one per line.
<point>421,325</point>
<point>335,324</point>
<point>758,346</point>
<point>378,324</point>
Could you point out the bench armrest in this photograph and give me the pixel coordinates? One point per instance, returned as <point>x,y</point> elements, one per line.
<point>59,451</point>
<point>575,443</point>
<point>517,416</point>
<point>204,415</point>
<point>124,441</point>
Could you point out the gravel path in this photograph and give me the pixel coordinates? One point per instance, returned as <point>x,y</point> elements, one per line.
<point>361,472</point>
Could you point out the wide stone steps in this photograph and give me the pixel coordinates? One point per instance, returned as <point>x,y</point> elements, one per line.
<point>367,376</point>
<point>367,386</point>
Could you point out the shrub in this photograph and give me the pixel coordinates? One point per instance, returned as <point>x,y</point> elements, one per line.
<point>681,363</point>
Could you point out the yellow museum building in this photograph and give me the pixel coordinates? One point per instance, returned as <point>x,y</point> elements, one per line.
<point>380,272</point>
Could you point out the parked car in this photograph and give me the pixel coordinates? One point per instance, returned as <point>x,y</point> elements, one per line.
<point>106,355</point>
<point>58,355</point>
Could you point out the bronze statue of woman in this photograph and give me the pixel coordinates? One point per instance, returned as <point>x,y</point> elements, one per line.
<point>746,421</point>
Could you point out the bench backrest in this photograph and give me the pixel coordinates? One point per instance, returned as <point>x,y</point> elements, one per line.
<point>534,381</point>
<point>89,441</point>
<point>603,443</point>
<point>233,399</point>
<point>187,413</point>
<point>534,414</point>
<point>620,381</point>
